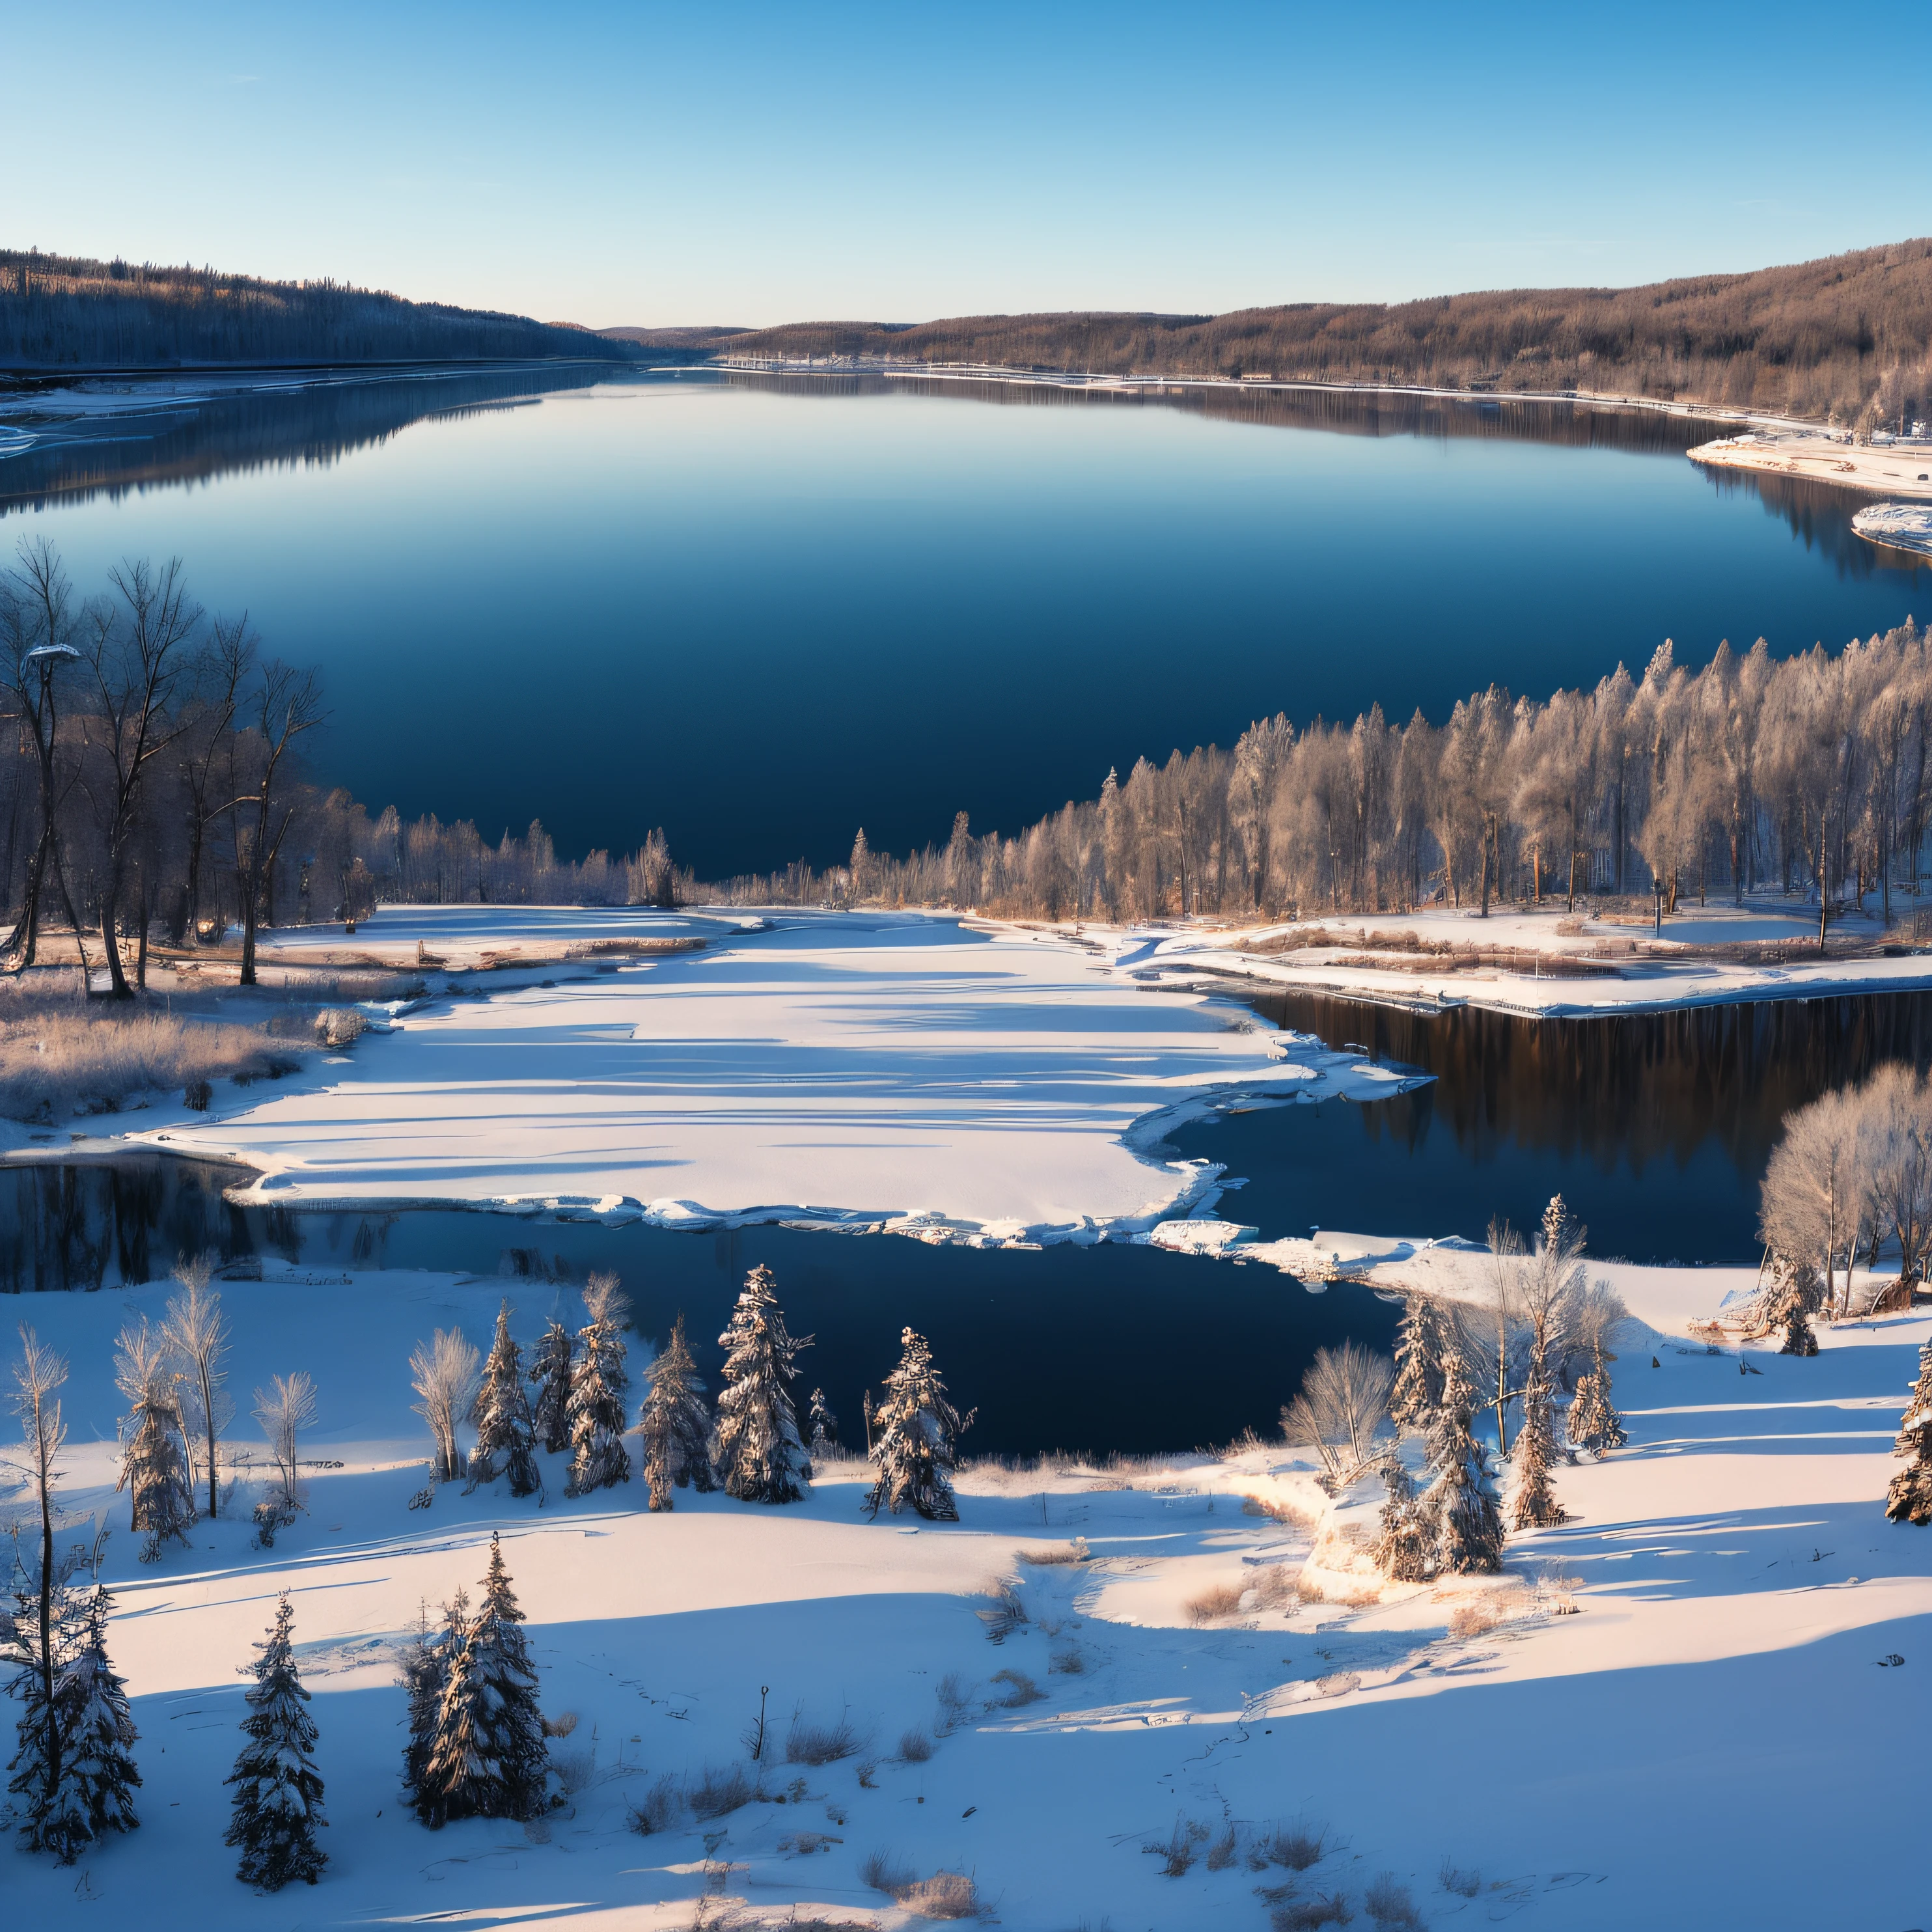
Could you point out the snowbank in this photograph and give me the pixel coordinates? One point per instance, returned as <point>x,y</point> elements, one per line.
<point>869,1070</point>
<point>1737,1591</point>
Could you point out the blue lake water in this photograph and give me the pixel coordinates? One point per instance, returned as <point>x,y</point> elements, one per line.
<point>764,613</point>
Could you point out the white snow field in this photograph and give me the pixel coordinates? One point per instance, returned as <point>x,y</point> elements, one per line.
<point>875,1068</point>
<point>1716,1738</point>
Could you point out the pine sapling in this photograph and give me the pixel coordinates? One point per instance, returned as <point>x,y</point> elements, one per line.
<point>600,1392</point>
<point>423,1664</point>
<point>154,1450</point>
<point>1417,1391</point>
<point>1593,1423</point>
<point>1461,1521</point>
<point>1401,1550</point>
<point>824,1424</point>
<point>487,1758</point>
<point>97,1777</point>
<point>758,1453</point>
<point>675,1424</point>
<point>1533,1504</point>
<point>506,1440</point>
<point>551,1366</point>
<point>277,1801</point>
<point>915,1447</point>
<point>1910,1498</point>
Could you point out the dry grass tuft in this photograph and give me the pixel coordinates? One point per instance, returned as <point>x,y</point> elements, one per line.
<point>1020,1690</point>
<point>1182,1847</point>
<point>884,1872</point>
<point>1075,1552</point>
<point>1305,1915</point>
<point>915,1746</point>
<point>945,1895</point>
<point>60,1054</point>
<point>560,1725</point>
<point>1218,1601</point>
<point>1223,1852</point>
<point>813,1744</point>
<point>662,1806</point>
<point>1297,1845</point>
<point>573,1769</point>
<point>955,1698</point>
<point>1273,1589</point>
<point>1390,1905</point>
<point>1069,1660</point>
<point>717,1793</point>
<point>1005,1613</point>
<point>1463,1884</point>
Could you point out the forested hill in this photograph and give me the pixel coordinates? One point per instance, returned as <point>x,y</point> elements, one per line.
<point>1850,334</point>
<point>65,311</point>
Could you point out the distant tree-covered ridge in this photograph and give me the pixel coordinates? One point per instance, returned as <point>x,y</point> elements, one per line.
<point>1849,336</point>
<point>67,311</point>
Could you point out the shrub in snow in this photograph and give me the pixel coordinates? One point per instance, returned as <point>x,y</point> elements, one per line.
<point>340,1026</point>
<point>284,1409</point>
<point>154,1458</point>
<point>1344,1400</point>
<point>916,1447</point>
<point>600,1392</point>
<point>675,1424</point>
<point>1461,1523</point>
<point>550,1368</point>
<point>443,1374</point>
<point>757,1450</point>
<point>506,1436</point>
<point>1910,1498</point>
<point>487,1757</point>
<point>277,1800</point>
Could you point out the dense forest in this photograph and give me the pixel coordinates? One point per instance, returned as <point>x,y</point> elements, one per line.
<point>61,311</point>
<point>152,788</point>
<point>1755,773</point>
<point>1849,337</point>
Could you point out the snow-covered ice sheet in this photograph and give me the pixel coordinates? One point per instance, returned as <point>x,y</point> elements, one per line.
<point>1738,1590</point>
<point>862,1067</point>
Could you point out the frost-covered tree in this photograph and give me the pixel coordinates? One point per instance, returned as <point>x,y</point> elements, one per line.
<point>277,1800</point>
<point>197,1334</point>
<point>551,1366</point>
<point>1550,1296</point>
<point>423,1664</point>
<point>1343,1400</point>
<point>284,1409</point>
<point>1401,1550</point>
<point>1910,1498</point>
<point>757,1452</point>
<point>1461,1523</point>
<point>1790,1302</point>
<point>153,1444</point>
<point>443,1374</point>
<point>675,1424</point>
<point>487,1758</point>
<point>600,1392</point>
<point>823,1424</point>
<point>1592,1422</point>
<point>917,1446</point>
<point>98,1778</point>
<point>506,1437</point>
<point>1419,1341</point>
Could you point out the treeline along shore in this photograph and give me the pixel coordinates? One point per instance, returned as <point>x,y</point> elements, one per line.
<point>1847,338</point>
<point>71,312</point>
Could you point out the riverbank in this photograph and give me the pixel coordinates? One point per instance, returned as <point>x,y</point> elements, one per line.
<point>1179,1678</point>
<point>1809,454</point>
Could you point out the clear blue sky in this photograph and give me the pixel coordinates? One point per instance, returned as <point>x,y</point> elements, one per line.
<point>610,163</point>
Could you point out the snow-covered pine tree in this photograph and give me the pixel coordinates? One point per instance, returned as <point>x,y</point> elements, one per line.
<point>917,1446</point>
<point>550,1366</point>
<point>1592,1422</point>
<point>424,1663</point>
<point>824,1424</point>
<point>488,1759</point>
<point>600,1392</point>
<point>1910,1498</point>
<point>278,1798</point>
<point>1401,1552</point>
<point>1418,1392</point>
<point>97,1736</point>
<point>1533,1504</point>
<point>758,1453</point>
<point>154,1440</point>
<point>675,1424</point>
<point>1794,1296</point>
<point>506,1439</point>
<point>1461,1523</point>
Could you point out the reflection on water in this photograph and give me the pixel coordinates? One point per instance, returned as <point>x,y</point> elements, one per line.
<point>1656,1128</point>
<point>1109,1347</point>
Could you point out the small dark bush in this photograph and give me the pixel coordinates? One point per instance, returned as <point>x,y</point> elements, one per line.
<point>197,1094</point>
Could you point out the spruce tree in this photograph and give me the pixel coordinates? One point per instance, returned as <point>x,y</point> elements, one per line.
<point>1401,1550</point>
<point>1461,1523</point>
<point>824,1424</point>
<point>278,1798</point>
<point>1419,1342</point>
<point>758,1452</point>
<point>917,1446</point>
<point>1910,1498</point>
<point>1533,1504</point>
<point>1793,1296</point>
<point>97,1736</point>
<point>487,1758</point>
<point>506,1439</point>
<point>154,1454</point>
<point>675,1424</point>
<point>599,1393</point>
<point>550,1368</point>
<point>424,1662</point>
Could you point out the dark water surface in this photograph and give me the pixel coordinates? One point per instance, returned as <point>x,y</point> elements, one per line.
<point>764,612</point>
<point>1655,1128</point>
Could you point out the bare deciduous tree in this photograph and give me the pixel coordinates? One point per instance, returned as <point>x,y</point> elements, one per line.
<point>1344,1400</point>
<point>444,1374</point>
<point>197,1332</point>
<point>284,1409</point>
